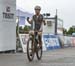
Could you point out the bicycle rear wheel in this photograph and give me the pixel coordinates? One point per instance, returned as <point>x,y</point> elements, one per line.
<point>39,52</point>
<point>30,50</point>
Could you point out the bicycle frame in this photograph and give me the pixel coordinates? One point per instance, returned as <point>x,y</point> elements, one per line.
<point>35,39</point>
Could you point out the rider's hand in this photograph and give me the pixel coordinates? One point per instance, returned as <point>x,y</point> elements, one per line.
<point>44,23</point>
<point>40,33</point>
<point>27,18</point>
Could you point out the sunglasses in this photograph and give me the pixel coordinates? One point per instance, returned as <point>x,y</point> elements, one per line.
<point>37,9</point>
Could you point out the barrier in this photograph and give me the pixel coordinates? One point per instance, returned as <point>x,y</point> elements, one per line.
<point>23,40</point>
<point>50,41</point>
<point>73,41</point>
<point>67,41</point>
<point>61,40</point>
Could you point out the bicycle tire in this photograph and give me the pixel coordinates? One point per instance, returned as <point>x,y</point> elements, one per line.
<point>37,52</point>
<point>28,54</point>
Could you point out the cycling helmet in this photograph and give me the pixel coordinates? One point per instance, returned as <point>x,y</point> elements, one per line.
<point>37,8</point>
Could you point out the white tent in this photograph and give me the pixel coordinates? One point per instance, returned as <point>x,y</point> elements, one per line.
<point>26,23</point>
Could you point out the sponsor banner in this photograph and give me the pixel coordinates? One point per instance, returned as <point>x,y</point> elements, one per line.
<point>73,41</point>
<point>67,41</point>
<point>23,40</point>
<point>61,40</point>
<point>43,44</point>
<point>51,41</point>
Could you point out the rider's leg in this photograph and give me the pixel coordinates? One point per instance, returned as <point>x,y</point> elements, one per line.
<point>32,45</point>
<point>40,41</point>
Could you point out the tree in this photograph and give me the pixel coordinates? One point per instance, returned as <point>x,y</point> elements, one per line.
<point>26,29</point>
<point>64,31</point>
<point>71,30</point>
<point>21,29</point>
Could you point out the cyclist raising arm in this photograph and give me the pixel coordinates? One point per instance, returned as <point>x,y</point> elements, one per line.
<point>37,13</point>
<point>38,20</point>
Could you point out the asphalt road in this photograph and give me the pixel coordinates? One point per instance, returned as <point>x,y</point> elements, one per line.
<point>60,57</point>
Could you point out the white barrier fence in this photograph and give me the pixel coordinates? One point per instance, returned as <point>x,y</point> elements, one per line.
<point>23,40</point>
<point>49,41</point>
<point>73,41</point>
<point>67,41</point>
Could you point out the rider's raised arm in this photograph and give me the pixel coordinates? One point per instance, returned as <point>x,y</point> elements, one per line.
<point>29,21</point>
<point>44,22</point>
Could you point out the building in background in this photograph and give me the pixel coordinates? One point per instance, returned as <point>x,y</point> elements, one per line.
<point>59,26</point>
<point>51,26</point>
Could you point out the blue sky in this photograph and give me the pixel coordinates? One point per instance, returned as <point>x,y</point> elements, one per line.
<point>66,8</point>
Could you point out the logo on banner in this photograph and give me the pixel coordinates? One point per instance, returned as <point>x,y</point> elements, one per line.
<point>51,41</point>
<point>7,14</point>
<point>23,39</point>
<point>8,9</point>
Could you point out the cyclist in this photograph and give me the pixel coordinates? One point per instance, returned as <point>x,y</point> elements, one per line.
<point>38,19</point>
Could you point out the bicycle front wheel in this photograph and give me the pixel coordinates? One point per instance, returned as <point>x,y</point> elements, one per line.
<point>30,50</point>
<point>39,52</point>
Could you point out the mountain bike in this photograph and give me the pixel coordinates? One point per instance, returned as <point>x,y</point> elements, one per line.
<point>33,46</point>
